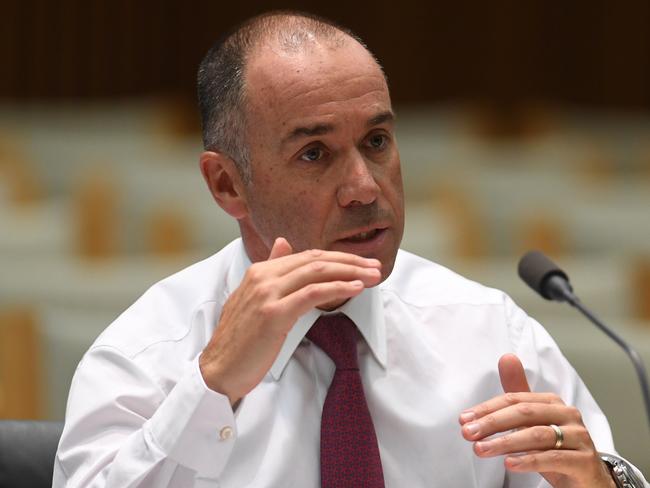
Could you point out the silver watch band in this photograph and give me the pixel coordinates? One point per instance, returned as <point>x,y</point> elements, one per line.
<point>622,472</point>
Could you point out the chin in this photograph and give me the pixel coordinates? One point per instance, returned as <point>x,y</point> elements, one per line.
<point>387,268</point>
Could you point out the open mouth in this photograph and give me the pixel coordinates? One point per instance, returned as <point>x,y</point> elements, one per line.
<point>363,236</point>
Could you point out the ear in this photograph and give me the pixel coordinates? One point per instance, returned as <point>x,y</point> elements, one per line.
<point>225,183</point>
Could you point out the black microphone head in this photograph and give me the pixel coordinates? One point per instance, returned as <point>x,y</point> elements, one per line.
<point>536,270</point>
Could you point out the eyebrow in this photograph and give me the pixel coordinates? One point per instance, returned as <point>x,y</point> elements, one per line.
<point>310,131</point>
<point>387,116</point>
<point>321,129</point>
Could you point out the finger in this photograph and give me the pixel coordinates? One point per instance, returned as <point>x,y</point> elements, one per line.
<point>286,264</point>
<point>324,271</point>
<point>503,401</point>
<point>511,372</point>
<point>537,438</point>
<point>310,296</point>
<point>518,416</point>
<point>569,462</point>
<point>281,247</point>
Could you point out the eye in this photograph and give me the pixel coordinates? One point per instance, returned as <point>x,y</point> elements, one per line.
<point>313,154</point>
<point>377,142</point>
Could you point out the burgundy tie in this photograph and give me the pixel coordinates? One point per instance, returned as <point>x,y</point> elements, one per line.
<point>349,455</point>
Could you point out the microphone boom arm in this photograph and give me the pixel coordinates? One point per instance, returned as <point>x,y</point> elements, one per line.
<point>547,279</point>
<point>634,356</point>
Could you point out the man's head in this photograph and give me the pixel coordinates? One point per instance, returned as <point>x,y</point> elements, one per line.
<point>299,138</point>
<point>221,80</point>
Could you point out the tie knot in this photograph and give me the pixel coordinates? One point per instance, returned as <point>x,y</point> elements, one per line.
<point>336,335</point>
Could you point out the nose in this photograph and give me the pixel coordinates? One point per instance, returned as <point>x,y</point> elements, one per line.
<point>358,186</point>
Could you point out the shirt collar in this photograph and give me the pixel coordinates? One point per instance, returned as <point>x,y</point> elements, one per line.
<point>366,311</point>
<point>240,263</point>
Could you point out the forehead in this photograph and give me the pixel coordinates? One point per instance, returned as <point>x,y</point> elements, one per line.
<point>318,81</point>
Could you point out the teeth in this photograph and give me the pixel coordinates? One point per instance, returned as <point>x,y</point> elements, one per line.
<point>362,236</point>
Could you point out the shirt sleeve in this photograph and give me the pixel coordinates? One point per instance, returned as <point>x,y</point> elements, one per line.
<point>125,431</point>
<point>548,370</point>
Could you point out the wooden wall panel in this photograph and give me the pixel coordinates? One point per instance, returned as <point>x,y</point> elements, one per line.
<point>21,395</point>
<point>506,51</point>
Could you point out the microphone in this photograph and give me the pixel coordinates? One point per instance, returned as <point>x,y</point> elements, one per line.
<point>550,281</point>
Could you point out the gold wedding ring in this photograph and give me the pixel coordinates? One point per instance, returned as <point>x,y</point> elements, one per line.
<point>559,436</point>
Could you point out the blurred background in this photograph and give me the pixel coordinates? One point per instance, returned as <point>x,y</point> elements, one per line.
<point>521,125</point>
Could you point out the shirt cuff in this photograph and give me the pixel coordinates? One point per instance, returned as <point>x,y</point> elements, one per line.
<point>194,426</point>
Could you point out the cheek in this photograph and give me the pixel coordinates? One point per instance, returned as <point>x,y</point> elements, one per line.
<point>309,207</point>
<point>296,210</point>
<point>391,182</point>
<point>396,179</point>
<point>302,221</point>
<point>304,207</point>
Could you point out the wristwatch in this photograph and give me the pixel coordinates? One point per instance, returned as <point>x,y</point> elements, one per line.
<point>622,471</point>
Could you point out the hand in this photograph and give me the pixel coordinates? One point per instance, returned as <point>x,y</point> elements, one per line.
<point>529,441</point>
<point>257,316</point>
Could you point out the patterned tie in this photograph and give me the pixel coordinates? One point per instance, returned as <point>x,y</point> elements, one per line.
<point>349,455</point>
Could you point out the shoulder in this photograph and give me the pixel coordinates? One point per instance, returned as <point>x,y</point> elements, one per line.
<point>169,309</point>
<point>422,283</point>
<point>442,308</point>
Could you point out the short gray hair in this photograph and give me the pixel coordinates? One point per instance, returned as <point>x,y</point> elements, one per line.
<point>221,76</point>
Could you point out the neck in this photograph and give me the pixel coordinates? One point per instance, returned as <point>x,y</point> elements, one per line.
<point>256,248</point>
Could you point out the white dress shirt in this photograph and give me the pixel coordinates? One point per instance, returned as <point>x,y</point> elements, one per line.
<point>140,415</point>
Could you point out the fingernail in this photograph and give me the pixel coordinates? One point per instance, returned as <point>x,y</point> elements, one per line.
<point>483,447</point>
<point>467,416</point>
<point>514,461</point>
<point>472,428</point>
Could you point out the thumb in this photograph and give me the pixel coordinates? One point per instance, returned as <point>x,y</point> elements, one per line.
<point>511,372</point>
<point>281,248</point>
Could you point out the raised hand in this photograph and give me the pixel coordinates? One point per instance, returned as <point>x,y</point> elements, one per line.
<point>257,317</point>
<point>565,454</point>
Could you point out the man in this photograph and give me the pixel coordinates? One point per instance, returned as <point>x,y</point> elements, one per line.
<point>312,352</point>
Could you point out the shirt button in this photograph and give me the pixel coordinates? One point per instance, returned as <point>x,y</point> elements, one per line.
<point>225,433</point>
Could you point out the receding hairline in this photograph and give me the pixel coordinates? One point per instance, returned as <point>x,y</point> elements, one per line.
<point>272,59</point>
<point>296,33</point>
<point>223,72</point>
<point>289,32</point>
<point>285,27</point>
